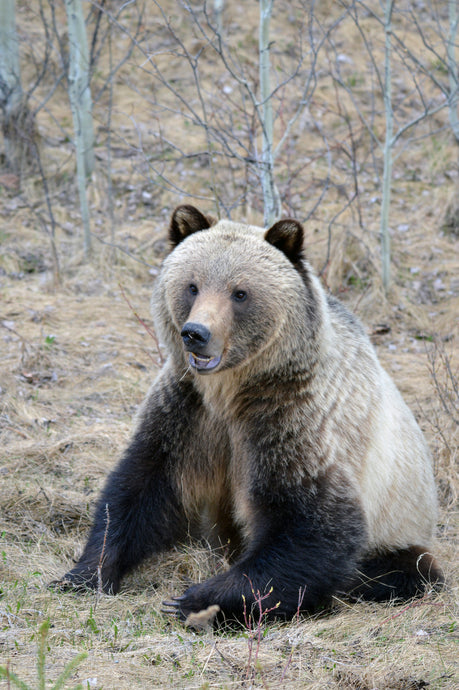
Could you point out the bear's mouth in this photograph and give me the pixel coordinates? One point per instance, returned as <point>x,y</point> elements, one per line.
<point>203,362</point>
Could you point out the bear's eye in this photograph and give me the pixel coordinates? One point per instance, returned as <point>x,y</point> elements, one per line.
<point>240,295</point>
<point>192,289</point>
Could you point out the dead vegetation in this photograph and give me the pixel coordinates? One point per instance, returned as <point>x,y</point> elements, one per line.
<point>75,363</point>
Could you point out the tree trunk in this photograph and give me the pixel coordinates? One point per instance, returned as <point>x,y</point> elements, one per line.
<point>388,145</point>
<point>218,13</point>
<point>81,104</point>
<point>452,212</point>
<point>270,195</point>
<point>16,122</point>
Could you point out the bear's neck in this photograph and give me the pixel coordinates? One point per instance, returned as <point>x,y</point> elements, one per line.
<point>230,393</point>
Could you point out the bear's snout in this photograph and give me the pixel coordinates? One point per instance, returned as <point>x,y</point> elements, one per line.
<point>196,338</point>
<point>195,334</point>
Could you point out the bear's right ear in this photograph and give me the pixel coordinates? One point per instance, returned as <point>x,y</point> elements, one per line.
<point>287,235</point>
<point>185,221</point>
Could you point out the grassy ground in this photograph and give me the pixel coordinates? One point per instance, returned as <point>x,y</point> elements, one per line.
<point>75,363</point>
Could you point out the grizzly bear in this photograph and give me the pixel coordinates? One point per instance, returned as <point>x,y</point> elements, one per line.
<point>272,428</point>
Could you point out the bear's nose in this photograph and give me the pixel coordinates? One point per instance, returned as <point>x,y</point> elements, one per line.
<point>195,334</point>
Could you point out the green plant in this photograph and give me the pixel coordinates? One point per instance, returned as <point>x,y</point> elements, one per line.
<point>91,622</point>
<point>41,658</point>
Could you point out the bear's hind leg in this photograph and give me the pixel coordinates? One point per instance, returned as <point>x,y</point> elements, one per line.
<point>400,574</point>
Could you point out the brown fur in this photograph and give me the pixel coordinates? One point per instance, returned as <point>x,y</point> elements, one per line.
<point>272,424</point>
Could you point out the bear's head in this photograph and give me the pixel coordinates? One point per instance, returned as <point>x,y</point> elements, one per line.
<point>228,290</point>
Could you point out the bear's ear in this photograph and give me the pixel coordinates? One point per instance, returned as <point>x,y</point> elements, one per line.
<point>185,221</point>
<point>287,235</point>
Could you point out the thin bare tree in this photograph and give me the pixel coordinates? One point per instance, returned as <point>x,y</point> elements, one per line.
<point>452,212</point>
<point>271,201</point>
<point>408,60</point>
<point>81,104</point>
<point>388,145</point>
<point>16,119</point>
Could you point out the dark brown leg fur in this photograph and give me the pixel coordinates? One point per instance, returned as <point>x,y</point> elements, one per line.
<point>401,574</point>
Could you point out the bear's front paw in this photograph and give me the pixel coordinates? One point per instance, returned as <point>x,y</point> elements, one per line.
<point>81,581</point>
<point>194,607</point>
<point>74,582</point>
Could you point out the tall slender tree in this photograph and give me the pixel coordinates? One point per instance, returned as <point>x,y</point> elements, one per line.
<point>270,196</point>
<point>13,104</point>
<point>452,212</point>
<point>81,104</point>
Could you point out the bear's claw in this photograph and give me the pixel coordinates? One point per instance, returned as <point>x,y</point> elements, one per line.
<point>70,585</point>
<point>173,607</point>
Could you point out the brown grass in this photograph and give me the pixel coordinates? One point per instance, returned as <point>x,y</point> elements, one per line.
<point>76,362</point>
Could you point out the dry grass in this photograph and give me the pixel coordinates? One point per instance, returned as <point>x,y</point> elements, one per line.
<point>75,363</point>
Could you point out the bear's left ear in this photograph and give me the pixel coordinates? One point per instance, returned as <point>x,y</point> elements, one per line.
<point>185,221</point>
<point>287,235</point>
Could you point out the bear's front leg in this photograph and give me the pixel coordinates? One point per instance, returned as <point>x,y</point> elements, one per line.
<point>305,547</point>
<point>140,511</point>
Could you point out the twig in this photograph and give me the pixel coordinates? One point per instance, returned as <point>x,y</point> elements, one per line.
<point>412,605</point>
<point>249,620</point>
<point>301,593</point>
<point>100,590</point>
<point>150,332</point>
<point>446,397</point>
<point>12,330</point>
<point>337,215</point>
<point>17,431</point>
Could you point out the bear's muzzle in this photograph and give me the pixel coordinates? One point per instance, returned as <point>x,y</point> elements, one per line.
<point>196,337</point>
